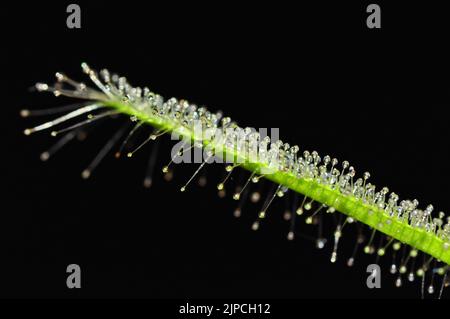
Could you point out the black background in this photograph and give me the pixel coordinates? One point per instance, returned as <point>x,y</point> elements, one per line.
<point>377,98</point>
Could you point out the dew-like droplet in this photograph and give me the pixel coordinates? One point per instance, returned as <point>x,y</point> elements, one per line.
<point>350,262</point>
<point>333,257</point>
<point>290,235</point>
<point>393,269</point>
<point>402,269</point>
<point>320,243</point>
<point>430,289</point>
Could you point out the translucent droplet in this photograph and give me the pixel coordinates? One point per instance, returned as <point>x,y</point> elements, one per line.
<point>369,250</point>
<point>333,257</point>
<point>86,174</point>
<point>393,269</point>
<point>287,215</point>
<point>350,262</point>
<point>147,182</point>
<point>290,235</point>
<point>255,197</point>
<point>430,289</point>
<point>44,156</point>
<point>320,243</point>
<point>24,113</point>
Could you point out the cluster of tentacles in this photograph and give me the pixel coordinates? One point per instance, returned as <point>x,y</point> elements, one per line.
<point>318,184</point>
